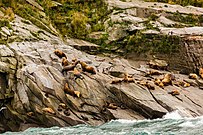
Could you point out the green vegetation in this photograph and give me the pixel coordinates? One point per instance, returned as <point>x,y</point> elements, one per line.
<point>141,43</point>
<point>194,20</point>
<point>76,18</point>
<point>155,43</point>
<point>73,18</point>
<point>197,3</point>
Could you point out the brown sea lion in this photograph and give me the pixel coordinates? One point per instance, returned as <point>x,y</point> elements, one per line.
<point>174,92</point>
<point>112,106</point>
<point>74,59</point>
<point>193,76</point>
<point>77,93</point>
<point>158,82</point>
<point>59,53</point>
<point>65,62</point>
<point>87,68</point>
<point>77,74</point>
<point>67,112</point>
<point>201,72</point>
<point>167,80</point>
<point>70,91</point>
<point>182,83</point>
<point>153,72</point>
<point>49,110</point>
<point>64,106</point>
<point>70,67</point>
<point>186,84</point>
<point>115,81</point>
<point>127,78</point>
<point>147,84</point>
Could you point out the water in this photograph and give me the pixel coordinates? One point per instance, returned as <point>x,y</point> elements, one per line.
<point>170,124</point>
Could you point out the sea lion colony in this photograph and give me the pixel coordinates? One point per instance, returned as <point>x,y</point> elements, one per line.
<point>71,66</point>
<point>165,80</point>
<point>159,79</point>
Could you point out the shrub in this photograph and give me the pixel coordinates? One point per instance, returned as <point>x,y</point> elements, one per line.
<point>79,24</point>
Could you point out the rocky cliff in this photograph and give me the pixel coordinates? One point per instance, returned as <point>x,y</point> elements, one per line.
<point>32,83</point>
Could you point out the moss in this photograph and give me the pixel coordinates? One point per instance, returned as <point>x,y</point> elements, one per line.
<point>4,22</point>
<point>191,19</point>
<point>198,3</point>
<point>142,43</point>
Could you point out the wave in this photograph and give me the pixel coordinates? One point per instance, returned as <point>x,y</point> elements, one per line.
<point>172,123</point>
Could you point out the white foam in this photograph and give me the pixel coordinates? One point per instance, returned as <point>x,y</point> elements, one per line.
<point>125,121</point>
<point>173,115</point>
<point>187,124</point>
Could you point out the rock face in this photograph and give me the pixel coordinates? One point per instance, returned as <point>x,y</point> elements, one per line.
<point>135,24</point>
<point>32,84</point>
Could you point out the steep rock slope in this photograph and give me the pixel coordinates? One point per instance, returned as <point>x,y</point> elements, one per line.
<point>32,86</point>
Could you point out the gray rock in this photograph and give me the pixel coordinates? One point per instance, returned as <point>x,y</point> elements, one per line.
<point>35,81</point>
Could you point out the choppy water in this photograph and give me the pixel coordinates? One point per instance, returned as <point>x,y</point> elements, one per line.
<point>171,124</point>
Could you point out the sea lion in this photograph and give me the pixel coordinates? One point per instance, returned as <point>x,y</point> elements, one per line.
<point>115,81</point>
<point>167,80</point>
<point>127,78</point>
<point>158,82</point>
<point>186,84</point>
<point>112,106</point>
<point>84,118</point>
<point>49,110</point>
<point>60,108</point>
<point>87,68</point>
<point>70,67</point>
<point>193,76</point>
<point>77,74</point>
<point>153,72</point>
<point>64,106</point>
<point>77,93</point>
<point>30,114</point>
<point>201,72</point>
<point>65,62</point>
<point>70,91</point>
<point>174,92</point>
<point>59,53</point>
<point>67,112</point>
<point>182,83</point>
<point>147,84</point>
<point>74,59</point>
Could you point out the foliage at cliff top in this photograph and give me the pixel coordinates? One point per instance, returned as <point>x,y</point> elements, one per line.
<point>73,18</point>
<point>197,3</point>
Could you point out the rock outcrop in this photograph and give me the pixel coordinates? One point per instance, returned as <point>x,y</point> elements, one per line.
<point>32,83</point>
<point>135,27</point>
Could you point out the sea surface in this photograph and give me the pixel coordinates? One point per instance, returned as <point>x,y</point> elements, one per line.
<point>170,124</point>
